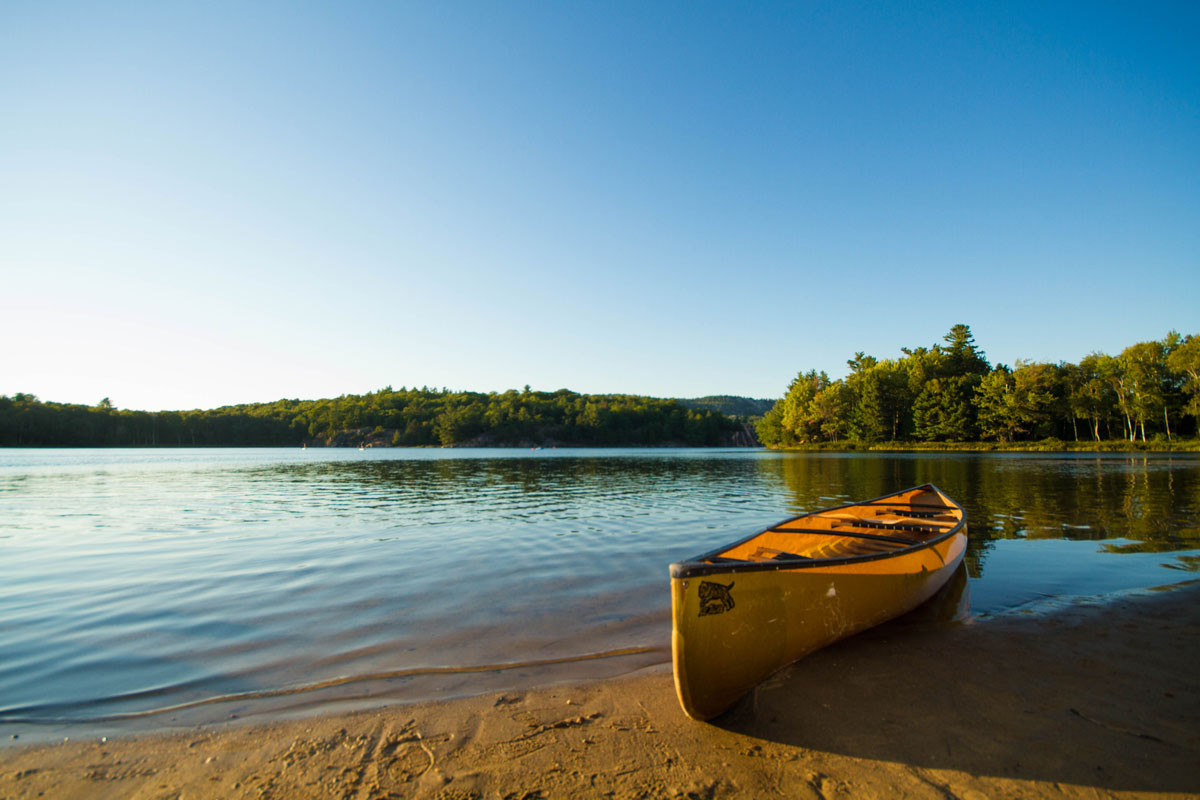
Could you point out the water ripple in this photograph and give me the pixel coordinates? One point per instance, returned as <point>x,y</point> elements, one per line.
<point>137,582</point>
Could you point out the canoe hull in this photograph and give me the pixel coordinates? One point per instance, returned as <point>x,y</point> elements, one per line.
<point>734,629</point>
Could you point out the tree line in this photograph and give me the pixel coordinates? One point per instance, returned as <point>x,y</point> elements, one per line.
<point>950,393</point>
<point>405,417</point>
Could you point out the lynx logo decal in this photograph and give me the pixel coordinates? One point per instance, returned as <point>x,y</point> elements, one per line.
<point>715,598</point>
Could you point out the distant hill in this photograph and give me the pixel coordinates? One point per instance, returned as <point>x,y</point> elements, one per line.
<point>729,405</point>
<point>406,418</point>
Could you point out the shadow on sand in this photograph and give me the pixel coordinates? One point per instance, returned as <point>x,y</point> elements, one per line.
<point>1100,694</point>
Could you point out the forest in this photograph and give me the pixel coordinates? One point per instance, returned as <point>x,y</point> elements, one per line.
<point>947,393</point>
<point>1150,392</point>
<point>401,418</point>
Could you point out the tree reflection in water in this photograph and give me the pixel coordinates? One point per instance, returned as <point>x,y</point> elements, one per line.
<point>1153,500</point>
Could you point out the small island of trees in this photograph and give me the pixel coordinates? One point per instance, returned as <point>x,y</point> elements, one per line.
<point>949,393</point>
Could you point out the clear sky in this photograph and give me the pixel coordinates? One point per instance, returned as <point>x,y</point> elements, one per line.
<point>215,203</point>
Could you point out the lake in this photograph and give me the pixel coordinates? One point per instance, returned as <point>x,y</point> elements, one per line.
<point>148,589</point>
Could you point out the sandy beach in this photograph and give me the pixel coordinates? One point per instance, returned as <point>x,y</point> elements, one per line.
<point>1094,699</point>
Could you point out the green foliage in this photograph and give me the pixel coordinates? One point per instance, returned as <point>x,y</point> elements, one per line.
<point>729,405</point>
<point>798,414</point>
<point>943,412</point>
<point>1144,385</point>
<point>408,417</point>
<point>879,397</point>
<point>949,393</point>
<point>1184,365</point>
<point>962,356</point>
<point>1013,405</point>
<point>830,410</point>
<point>770,428</point>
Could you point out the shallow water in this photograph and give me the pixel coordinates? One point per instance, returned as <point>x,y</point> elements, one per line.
<point>141,589</point>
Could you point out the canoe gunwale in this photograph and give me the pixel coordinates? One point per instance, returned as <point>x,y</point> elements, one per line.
<point>698,565</point>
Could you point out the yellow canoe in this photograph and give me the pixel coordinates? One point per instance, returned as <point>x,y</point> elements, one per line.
<point>752,607</point>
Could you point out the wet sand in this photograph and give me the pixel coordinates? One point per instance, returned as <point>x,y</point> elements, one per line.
<point>1092,700</point>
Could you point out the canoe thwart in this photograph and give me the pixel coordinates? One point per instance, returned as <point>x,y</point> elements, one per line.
<point>852,534</point>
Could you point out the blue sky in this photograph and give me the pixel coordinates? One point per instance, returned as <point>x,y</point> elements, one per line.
<point>214,203</point>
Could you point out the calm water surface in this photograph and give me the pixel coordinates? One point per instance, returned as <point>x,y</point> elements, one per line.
<point>144,589</point>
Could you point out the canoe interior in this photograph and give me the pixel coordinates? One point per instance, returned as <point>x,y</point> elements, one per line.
<point>878,526</point>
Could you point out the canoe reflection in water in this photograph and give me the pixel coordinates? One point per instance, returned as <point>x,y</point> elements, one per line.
<point>747,609</point>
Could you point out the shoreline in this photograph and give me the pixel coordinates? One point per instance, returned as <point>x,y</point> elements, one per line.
<point>1046,447</point>
<point>1096,698</point>
<point>1051,447</point>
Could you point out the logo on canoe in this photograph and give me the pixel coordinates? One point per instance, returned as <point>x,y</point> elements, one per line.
<point>715,598</point>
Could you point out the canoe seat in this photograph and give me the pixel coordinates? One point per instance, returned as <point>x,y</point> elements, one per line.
<point>847,534</point>
<point>774,554</point>
<point>905,512</point>
<point>927,530</point>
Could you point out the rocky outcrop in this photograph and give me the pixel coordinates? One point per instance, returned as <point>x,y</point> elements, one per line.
<point>746,436</point>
